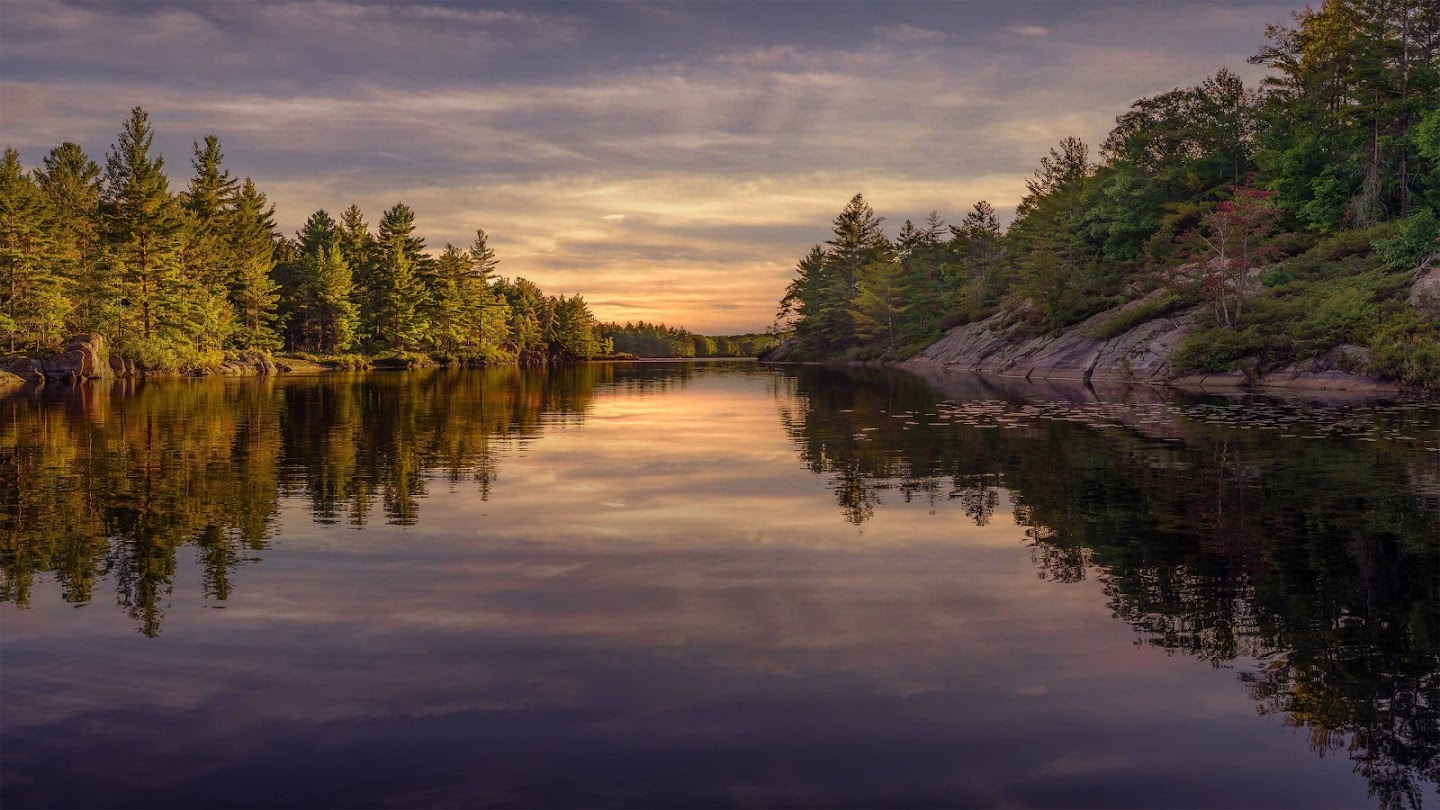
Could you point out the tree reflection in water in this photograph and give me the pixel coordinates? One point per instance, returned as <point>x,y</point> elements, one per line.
<point>1311,565</point>
<point>112,480</point>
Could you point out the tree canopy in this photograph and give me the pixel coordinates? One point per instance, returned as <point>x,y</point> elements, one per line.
<point>184,279</point>
<point>1298,209</point>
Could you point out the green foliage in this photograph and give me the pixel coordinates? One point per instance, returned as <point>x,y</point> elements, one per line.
<point>253,291</point>
<point>159,354</point>
<point>350,362</point>
<point>1405,345</point>
<point>32,289</point>
<point>1416,242</point>
<point>703,345</point>
<point>467,319</point>
<point>400,287</point>
<point>180,282</point>
<point>360,251</point>
<point>144,228</point>
<point>70,181</point>
<point>528,310</point>
<point>1309,318</point>
<point>880,303</point>
<point>318,288</point>
<point>209,204</point>
<point>1201,187</point>
<point>819,299</point>
<point>644,339</point>
<point>1350,81</point>
<point>1139,313</point>
<point>403,359</point>
<point>571,330</point>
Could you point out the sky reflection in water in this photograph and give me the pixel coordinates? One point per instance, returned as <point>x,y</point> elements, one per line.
<point>690,584</point>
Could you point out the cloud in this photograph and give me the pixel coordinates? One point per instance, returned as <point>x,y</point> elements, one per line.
<point>727,136</point>
<point>909,34</point>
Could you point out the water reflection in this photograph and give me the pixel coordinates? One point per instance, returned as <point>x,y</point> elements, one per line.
<point>102,481</point>
<point>1219,529</point>
<point>614,585</point>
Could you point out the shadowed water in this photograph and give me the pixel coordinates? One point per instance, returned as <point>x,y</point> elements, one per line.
<point>714,584</point>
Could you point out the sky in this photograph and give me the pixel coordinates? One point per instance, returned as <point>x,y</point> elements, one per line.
<point>669,161</point>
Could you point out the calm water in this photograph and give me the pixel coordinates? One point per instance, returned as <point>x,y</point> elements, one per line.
<point>692,584</point>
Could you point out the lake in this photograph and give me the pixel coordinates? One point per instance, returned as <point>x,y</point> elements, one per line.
<point>714,584</point>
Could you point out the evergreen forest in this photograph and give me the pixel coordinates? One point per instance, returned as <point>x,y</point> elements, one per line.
<point>658,340</point>
<point>1294,216</point>
<point>187,279</point>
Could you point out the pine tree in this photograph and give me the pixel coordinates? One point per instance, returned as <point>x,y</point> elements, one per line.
<point>253,290</point>
<point>492,320</point>
<point>454,311</point>
<point>208,203</point>
<point>571,329</point>
<point>317,232</point>
<point>857,241</point>
<point>909,238</point>
<point>317,289</point>
<point>880,302</point>
<point>207,271</point>
<point>802,296</point>
<point>459,297</point>
<point>1048,208</point>
<point>33,302</point>
<point>359,249</point>
<point>1348,84</point>
<point>528,311</point>
<point>934,227</point>
<point>397,233</point>
<point>980,252</point>
<point>295,271</point>
<point>71,183</point>
<point>401,273</point>
<point>144,225</point>
<point>334,312</point>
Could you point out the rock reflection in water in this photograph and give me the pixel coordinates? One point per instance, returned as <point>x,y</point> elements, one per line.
<point>1217,526</point>
<point>614,585</point>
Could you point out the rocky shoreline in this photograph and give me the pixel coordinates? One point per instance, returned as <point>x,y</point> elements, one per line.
<point>1139,355</point>
<point>85,357</point>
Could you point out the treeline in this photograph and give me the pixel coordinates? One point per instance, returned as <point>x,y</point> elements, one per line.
<point>658,340</point>
<point>188,278</point>
<point>1297,211</point>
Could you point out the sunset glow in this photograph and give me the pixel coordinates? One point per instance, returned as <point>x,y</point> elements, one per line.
<point>669,162</point>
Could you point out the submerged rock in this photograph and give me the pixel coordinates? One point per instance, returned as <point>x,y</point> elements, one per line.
<point>27,369</point>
